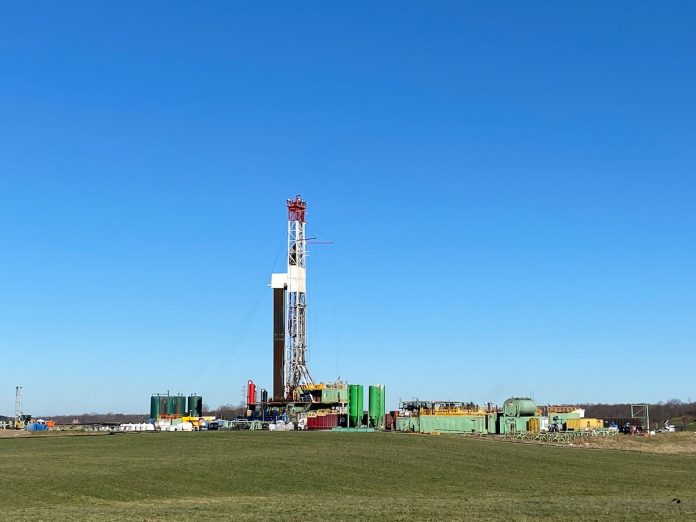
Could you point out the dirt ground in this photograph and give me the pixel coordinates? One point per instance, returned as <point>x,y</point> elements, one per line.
<point>666,443</point>
<point>658,443</point>
<point>11,434</point>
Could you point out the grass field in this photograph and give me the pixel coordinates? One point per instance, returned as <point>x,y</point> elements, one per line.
<point>319,476</point>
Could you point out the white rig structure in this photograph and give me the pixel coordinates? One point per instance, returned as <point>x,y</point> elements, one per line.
<point>290,303</point>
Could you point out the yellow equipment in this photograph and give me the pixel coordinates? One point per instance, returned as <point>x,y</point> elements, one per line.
<point>583,424</point>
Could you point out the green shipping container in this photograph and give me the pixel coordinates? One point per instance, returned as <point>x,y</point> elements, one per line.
<point>491,423</point>
<point>334,395</point>
<point>408,424</point>
<point>453,424</point>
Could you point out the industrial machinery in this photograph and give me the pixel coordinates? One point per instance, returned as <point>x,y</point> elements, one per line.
<point>444,417</point>
<point>290,303</point>
<point>519,415</point>
<point>376,406</point>
<point>355,405</point>
<point>296,398</point>
<point>20,419</point>
<point>165,406</point>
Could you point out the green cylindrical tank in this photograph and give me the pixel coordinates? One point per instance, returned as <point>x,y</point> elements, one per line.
<point>180,405</point>
<point>519,407</point>
<point>374,407</point>
<point>355,404</point>
<point>195,405</point>
<point>155,406</point>
<point>361,405</point>
<point>170,405</point>
<point>383,396</point>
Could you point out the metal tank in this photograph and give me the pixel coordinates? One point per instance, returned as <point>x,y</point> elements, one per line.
<point>374,407</point>
<point>195,405</point>
<point>251,392</point>
<point>383,396</point>
<point>162,405</point>
<point>170,405</point>
<point>519,407</point>
<point>180,405</point>
<point>155,406</point>
<point>355,404</point>
<point>361,404</point>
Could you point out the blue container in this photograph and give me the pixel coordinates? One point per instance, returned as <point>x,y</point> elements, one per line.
<point>35,426</point>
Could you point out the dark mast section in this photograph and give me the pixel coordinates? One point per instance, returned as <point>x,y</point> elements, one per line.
<point>278,343</point>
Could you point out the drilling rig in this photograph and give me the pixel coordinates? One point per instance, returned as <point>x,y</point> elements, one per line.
<point>297,401</point>
<point>19,420</point>
<point>290,309</point>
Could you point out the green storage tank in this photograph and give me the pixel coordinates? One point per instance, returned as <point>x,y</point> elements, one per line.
<point>170,405</point>
<point>383,396</point>
<point>195,405</point>
<point>519,407</point>
<point>374,406</point>
<point>180,405</point>
<point>155,404</point>
<point>355,404</point>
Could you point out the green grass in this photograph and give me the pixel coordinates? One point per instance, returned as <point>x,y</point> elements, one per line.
<point>344,476</point>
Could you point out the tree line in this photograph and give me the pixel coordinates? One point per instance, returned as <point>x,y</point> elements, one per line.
<point>660,412</point>
<point>224,411</point>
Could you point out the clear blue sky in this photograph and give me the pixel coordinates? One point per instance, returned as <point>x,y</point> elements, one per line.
<point>511,188</point>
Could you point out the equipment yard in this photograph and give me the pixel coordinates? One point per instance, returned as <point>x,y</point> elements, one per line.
<point>265,475</point>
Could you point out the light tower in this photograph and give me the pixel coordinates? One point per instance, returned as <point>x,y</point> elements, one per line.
<point>290,303</point>
<point>18,404</point>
